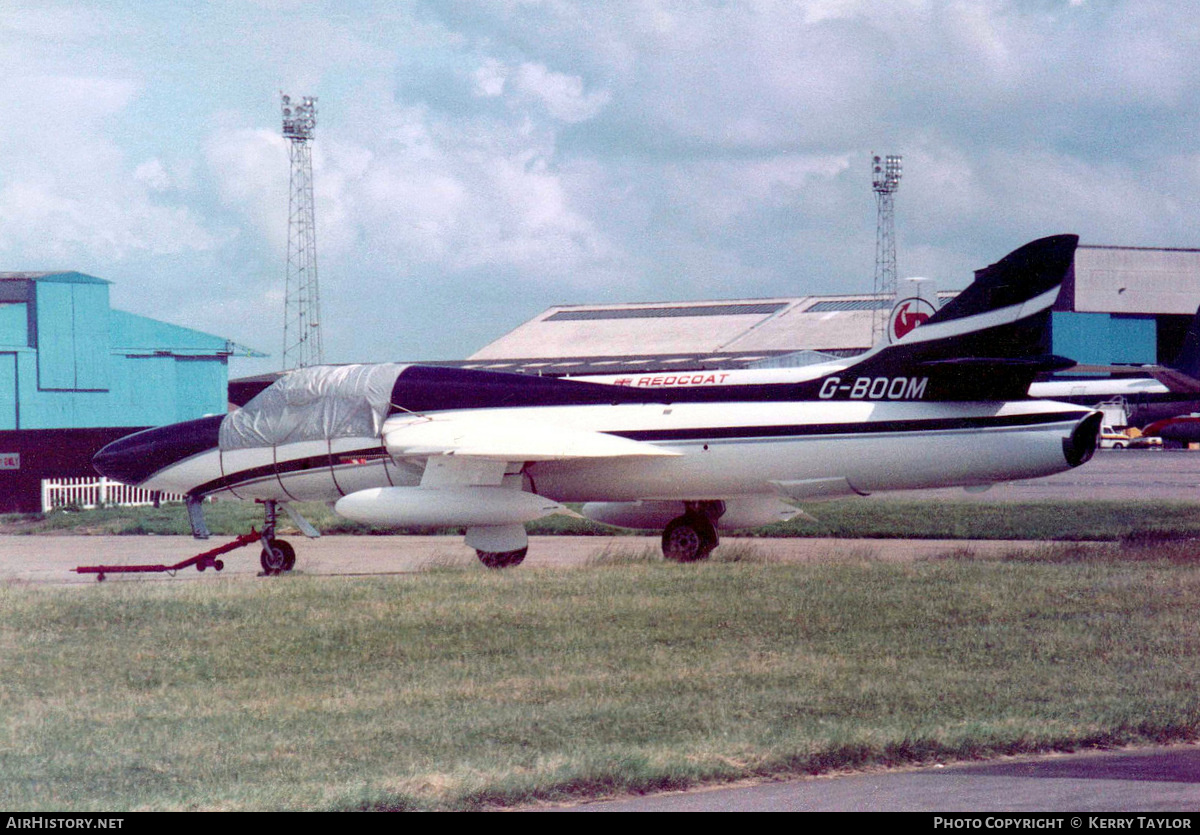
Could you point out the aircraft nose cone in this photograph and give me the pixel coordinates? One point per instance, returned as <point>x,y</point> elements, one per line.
<point>119,460</point>
<point>135,458</point>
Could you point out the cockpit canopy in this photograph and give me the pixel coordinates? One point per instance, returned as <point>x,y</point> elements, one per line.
<point>315,404</point>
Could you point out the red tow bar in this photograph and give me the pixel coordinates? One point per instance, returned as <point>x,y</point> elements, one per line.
<point>201,561</point>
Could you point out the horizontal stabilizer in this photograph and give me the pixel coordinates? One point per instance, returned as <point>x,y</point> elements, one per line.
<point>506,439</point>
<point>1175,380</point>
<point>1044,363</point>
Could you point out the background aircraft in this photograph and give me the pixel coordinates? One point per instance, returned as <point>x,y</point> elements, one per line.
<point>1178,430</point>
<point>1166,392</point>
<point>415,445</point>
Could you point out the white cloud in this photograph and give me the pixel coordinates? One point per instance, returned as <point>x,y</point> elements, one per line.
<point>561,94</point>
<point>490,79</point>
<point>153,173</point>
<point>432,198</point>
<point>92,228</point>
<point>250,170</point>
<point>68,192</point>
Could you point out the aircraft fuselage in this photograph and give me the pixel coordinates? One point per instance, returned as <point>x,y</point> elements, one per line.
<point>722,449</point>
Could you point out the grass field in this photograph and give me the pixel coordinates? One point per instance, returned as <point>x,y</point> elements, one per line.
<point>462,688</point>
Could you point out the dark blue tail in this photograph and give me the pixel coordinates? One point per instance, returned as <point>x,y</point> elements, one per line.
<point>990,341</point>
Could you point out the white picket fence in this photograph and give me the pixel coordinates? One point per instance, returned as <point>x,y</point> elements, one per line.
<point>94,492</point>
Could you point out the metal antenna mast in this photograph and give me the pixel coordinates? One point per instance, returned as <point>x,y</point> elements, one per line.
<point>885,180</point>
<point>302,301</point>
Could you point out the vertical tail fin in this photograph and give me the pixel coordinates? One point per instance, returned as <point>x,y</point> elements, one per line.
<point>1183,375</point>
<point>1005,311</point>
<point>992,339</point>
<point>1188,361</point>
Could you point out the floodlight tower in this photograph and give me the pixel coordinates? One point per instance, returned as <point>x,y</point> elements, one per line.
<point>885,180</point>
<point>302,302</point>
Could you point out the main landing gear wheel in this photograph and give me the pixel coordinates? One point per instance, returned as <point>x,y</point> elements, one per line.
<point>502,559</point>
<point>689,538</point>
<point>277,556</point>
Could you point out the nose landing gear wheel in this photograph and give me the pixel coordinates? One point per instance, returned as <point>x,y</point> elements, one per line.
<point>277,556</point>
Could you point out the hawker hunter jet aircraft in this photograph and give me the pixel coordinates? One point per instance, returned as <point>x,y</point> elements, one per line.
<point>415,445</point>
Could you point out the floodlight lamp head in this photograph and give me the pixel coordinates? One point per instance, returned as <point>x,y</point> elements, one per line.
<point>886,176</point>
<point>299,120</point>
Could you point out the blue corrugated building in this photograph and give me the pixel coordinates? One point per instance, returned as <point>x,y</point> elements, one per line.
<point>75,373</point>
<point>68,360</point>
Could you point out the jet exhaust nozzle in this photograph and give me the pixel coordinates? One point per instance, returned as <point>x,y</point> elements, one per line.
<point>1085,437</point>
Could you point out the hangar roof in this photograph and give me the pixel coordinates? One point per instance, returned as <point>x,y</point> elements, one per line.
<point>734,326</point>
<point>18,287</point>
<point>64,277</point>
<point>1106,279</point>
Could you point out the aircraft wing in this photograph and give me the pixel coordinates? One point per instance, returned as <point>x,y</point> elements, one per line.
<point>472,478</point>
<point>486,436</point>
<point>1175,379</point>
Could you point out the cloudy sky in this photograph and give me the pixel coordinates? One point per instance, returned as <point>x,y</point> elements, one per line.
<point>477,162</point>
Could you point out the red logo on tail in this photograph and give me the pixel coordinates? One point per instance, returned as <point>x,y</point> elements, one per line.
<point>907,315</point>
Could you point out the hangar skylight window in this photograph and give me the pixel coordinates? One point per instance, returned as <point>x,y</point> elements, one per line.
<point>850,304</point>
<point>595,314</point>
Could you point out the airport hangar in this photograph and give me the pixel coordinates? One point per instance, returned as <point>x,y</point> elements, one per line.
<point>1119,306</point>
<point>76,374</point>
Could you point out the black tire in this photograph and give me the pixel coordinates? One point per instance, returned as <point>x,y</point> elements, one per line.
<point>277,556</point>
<point>1118,445</point>
<point>502,559</point>
<point>689,539</point>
